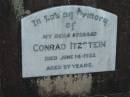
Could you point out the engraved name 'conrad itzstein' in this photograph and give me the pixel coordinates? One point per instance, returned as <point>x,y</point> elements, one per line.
<point>72,45</point>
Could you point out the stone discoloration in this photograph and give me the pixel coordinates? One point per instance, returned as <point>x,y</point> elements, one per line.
<point>67,84</point>
<point>18,7</point>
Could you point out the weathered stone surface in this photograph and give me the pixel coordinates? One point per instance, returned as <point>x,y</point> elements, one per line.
<point>67,84</point>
